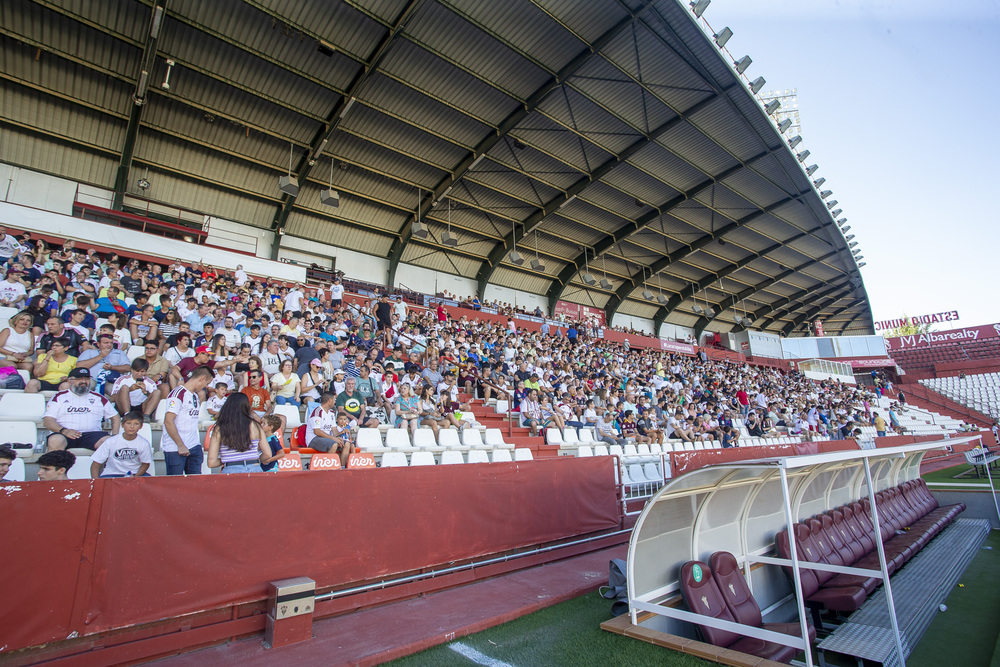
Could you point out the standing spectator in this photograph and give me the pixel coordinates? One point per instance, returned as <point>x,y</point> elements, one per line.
<point>238,442</point>
<point>74,416</point>
<point>180,442</point>
<point>336,293</point>
<point>127,454</point>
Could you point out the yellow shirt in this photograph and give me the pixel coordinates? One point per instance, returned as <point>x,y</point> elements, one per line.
<point>56,371</point>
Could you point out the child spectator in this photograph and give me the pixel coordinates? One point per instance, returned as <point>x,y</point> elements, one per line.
<point>7,456</point>
<point>344,437</point>
<point>127,454</point>
<point>272,427</point>
<point>215,403</point>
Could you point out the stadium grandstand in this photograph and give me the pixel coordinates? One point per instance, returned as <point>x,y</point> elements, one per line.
<point>497,287</point>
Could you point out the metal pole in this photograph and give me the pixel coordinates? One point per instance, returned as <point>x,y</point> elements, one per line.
<point>986,464</point>
<point>796,575</point>
<point>881,560</point>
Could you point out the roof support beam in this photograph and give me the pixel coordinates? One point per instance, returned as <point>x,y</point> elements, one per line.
<point>813,312</point>
<point>340,110</point>
<point>829,317</point>
<point>626,288</point>
<point>796,301</point>
<point>840,332</point>
<point>508,124</point>
<point>536,218</point>
<point>157,15</point>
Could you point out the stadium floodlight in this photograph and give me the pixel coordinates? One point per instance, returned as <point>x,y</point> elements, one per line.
<point>771,106</point>
<point>699,7</point>
<point>742,64</point>
<point>784,125</point>
<point>757,84</point>
<point>697,309</point>
<point>841,221</point>
<point>819,181</point>
<point>795,141</point>
<point>589,279</point>
<point>802,156</point>
<point>834,214</point>
<point>812,169</point>
<point>831,204</point>
<point>825,193</point>
<point>722,37</point>
<point>852,244</point>
<point>849,237</point>
<point>845,229</point>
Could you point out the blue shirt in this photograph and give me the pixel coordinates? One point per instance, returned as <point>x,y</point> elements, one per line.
<point>197,321</point>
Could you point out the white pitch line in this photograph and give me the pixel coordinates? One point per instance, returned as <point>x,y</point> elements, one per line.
<point>477,657</point>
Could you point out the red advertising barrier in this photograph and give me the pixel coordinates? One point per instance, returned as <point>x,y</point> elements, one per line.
<point>106,554</point>
<point>966,335</point>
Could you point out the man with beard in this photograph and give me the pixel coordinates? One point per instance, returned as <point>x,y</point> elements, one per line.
<point>74,416</point>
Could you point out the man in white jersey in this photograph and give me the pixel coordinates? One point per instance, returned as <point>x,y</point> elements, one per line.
<point>9,247</point>
<point>181,442</point>
<point>74,416</point>
<point>320,423</point>
<point>293,300</point>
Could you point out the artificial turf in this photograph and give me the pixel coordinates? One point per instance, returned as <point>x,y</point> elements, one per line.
<point>564,634</point>
<point>966,634</point>
<point>959,475</point>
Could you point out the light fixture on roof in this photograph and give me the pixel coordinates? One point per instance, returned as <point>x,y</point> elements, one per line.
<point>330,197</point>
<point>834,214</point>
<point>812,170</point>
<point>536,263</point>
<point>513,257</point>
<point>795,141</point>
<point>802,156</point>
<point>518,144</point>
<point>841,221</point>
<point>860,264</point>
<point>568,200</point>
<point>696,308</point>
<point>784,125</point>
<point>699,7</point>
<point>771,106</point>
<point>849,237</point>
<point>587,278</point>
<point>418,229</point>
<point>289,184</point>
<point>852,244</point>
<point>722,37</point>
<point>757,84</point>
<point>737,319</point>
<point>742,64</point>
<point>477,161</point>
<point>830,204</point>
<point>819,181</point>
<point>845,229</point>
<point>858,258</point>
<point>646,294</point>
<point>709,312</point>
<point>447,238</point>
<point>605,283</point>
<point>825,193</point>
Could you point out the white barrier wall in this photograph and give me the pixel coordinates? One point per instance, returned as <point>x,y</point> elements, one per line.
<point>640,324</point>
<point>86,231</point>
<point>353,264</point>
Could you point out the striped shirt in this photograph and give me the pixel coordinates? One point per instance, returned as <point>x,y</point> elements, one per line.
<point>251,455</point>
<point>80,413</point>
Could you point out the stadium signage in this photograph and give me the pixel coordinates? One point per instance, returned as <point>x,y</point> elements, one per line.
<point>360,460</point>
<point>933,318</point>
<point>970,334</point>
<point>324,462</point>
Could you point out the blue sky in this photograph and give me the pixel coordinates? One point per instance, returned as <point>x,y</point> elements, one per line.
<point>899,104</point>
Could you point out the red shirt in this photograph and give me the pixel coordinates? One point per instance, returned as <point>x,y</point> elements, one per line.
<point>441,313</point>
<point>742,397</point>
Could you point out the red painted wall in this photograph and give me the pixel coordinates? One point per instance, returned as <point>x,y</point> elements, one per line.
<point>108,554</point>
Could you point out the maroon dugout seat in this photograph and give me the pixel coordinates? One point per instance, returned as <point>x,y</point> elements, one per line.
<point>842,598</point>
<point>702,596</point>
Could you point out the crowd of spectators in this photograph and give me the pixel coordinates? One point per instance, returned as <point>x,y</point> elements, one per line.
<point>201,334</point>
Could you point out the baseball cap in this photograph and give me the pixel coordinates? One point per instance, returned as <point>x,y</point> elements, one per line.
<point>79,373</point>
<point>202,349</point>
<point>315,362</point>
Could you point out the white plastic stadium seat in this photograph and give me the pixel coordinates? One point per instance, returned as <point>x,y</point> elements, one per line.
<point>501,456</point>
<point>523,454</point>
<point>161,411</point>
<point>471,437</point>
<point>586,435</point>
<point>635,473</point>
<point>134,352</point>
<point>584,450</point>
<point>601,450</point>
<point>494,438</point>
<point>370,440</point>
<point>19,433</point>
<point>553,436</point>
<point>397,439</point>
<point>424,439</point>
<point>291,413</point>
<point>18,407</point>
<point>422,458</point>
<point>394,460</point>
<point>448,437</point>
<point>16,472</point>
<point>451,456</point>
<point>570,437</point>
<point>80,469</point>
<point>652,472</point>
<point>478,456</point>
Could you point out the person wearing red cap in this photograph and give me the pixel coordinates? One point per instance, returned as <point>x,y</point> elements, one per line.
<point>202,357</point>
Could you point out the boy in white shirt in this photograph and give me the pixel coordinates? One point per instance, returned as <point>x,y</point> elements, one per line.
<point>214,404</point>
<point>124,455</point>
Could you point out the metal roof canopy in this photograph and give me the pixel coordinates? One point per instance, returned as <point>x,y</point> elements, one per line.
<point>740,508</point>
<point>614,132</point>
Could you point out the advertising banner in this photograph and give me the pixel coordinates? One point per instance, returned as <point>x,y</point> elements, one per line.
<point>966,335</point>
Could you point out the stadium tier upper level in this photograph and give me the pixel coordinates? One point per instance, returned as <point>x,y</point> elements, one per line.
<point>611,142</point>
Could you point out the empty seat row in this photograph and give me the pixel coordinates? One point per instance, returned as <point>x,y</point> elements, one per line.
<point>720,591</point>
<point>395,459</point>
<point>909,517</point>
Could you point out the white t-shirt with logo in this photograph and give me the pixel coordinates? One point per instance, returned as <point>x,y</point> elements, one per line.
<point>80,413</point>
<point>135,396</point>
<point>337,292</point>
<point>185,405</point>
<point>320,420</point>
<point>11,291</point>
<point>123,456</point>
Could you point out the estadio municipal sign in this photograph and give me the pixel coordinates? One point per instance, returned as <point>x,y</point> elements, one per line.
<point>933,318</point>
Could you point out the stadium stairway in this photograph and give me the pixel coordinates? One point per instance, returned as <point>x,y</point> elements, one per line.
<point>513,433</point>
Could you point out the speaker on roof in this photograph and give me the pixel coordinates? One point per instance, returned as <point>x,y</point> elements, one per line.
<point>419,230</point>
<point>330,198</point>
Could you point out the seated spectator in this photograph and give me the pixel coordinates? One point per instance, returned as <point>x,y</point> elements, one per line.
<point>7,456</point>
<point>606,431</point>
<point>54,466</point>
<point>285,385</point>
<point>106,305</point>
<point>127,454</point>
<point>144,325</point>
<point>12,291</point>
<point>105,363</point>
<point>17,344</point>
<point>58,329</point>
<point>320,425</point>
<point>352,403</point>
<point>179,350</point>
<point>75,416</point>
<point>52,369</point>
<point>136,391</point>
